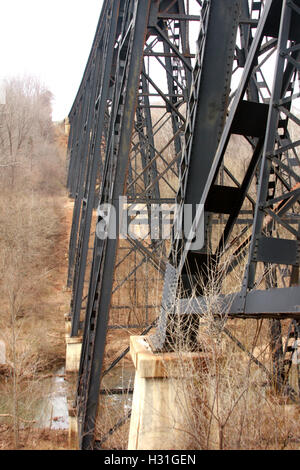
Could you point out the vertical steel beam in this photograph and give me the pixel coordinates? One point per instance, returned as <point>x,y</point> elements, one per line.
<point>95,158</point>
<point>127,109</point>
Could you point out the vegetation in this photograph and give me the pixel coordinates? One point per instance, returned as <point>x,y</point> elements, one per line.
<point>229,402</point>
<point>232,402</point>
<point>32,250</point>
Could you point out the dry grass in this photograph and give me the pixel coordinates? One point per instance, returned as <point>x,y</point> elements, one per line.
<point>45,439</point>
<point>229,402</point>
<point>33,264</point>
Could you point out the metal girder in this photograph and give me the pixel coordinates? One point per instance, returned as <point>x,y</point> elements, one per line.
<point>123,108</point>
<point>119,150</point>
<point>277,303</point>
<point>265,117</point>
<point>136,161</point>
<point>145,149</point>
<point>105,52</point>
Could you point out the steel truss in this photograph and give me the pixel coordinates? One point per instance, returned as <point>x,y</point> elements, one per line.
<point>139,40</point>
<point>269,188</point>
<point>163,134</point>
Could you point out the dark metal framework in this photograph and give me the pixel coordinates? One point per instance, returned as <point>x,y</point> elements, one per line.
<point>269,187</point>
<point>126,130</point>
<point>158,123</point>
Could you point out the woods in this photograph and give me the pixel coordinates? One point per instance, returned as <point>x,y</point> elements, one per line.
<point>31,222</point>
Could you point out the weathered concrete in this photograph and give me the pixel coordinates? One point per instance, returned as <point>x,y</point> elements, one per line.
<point>293,377</point>
<point>160,410</point>
<point>73,429</point>
<point>73,352</point>
<point>68,324</point>
<point>2,353</point>
<point>67,126</point>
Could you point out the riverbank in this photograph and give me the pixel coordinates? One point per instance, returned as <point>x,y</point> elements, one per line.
<point>34,238</point>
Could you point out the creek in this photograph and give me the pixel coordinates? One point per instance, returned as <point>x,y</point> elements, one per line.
<point>53,412</point>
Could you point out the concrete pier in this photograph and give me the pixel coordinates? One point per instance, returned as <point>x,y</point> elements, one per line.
<point>2,353</point>
<point>73,353</point>
<point>160,410</point>
<point>73,428</point>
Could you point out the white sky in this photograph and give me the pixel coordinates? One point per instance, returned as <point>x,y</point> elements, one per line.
<point>51,40</point>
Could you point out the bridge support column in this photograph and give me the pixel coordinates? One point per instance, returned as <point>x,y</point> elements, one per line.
<point>73,428</point>
<point>73,348</point>
<point>73,352</point>
<point>161,411</point>
<point>2,353</point>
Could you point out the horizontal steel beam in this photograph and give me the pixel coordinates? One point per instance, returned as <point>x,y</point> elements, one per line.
<point>280,303</point>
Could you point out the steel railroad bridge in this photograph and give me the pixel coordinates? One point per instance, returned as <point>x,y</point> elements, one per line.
<point>171,94</point>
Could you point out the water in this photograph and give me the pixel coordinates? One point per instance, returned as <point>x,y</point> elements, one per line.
<point>54,410</point>
<point>119,377</point>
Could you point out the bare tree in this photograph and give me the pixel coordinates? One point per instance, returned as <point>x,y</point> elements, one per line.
<point>25,121</point>
<point>31,172</point>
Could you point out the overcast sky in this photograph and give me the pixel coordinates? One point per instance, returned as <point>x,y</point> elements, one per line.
<point>51,40</point>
